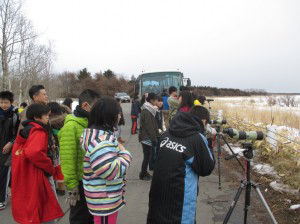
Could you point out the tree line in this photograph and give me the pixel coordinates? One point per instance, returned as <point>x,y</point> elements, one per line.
<point>214,91</point>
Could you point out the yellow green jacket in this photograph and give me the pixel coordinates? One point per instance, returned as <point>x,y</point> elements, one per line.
<point>71,153</point>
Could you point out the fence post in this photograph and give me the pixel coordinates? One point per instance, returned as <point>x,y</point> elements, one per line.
<point>271,137</point>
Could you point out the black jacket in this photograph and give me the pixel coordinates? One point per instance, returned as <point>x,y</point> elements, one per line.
<point>184,155</point>
<point>9,124</point>
<point>135,108</point>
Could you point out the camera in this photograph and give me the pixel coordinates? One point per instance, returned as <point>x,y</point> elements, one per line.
<point>244,135</point>
<point>219,122</point>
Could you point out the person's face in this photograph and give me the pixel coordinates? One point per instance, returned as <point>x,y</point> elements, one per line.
<point>5,104</point>
<point>204,122</point>
<point>88,107</point>
<point>41,97</point>
<point>154,102</point>
<point>44,119</point>
<point>160,104</point>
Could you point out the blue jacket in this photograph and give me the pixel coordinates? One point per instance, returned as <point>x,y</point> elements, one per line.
<point>166,104</point>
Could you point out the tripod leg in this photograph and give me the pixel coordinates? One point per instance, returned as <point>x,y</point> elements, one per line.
<point>265,203</point>
<point>219,159</point>
<point>247,201</point>
<point>233,152</point>
<point>233,204</point>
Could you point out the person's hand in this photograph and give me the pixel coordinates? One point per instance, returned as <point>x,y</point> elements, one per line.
<point>73,197</point>
<point>121,147</point>
<point>7,148</point>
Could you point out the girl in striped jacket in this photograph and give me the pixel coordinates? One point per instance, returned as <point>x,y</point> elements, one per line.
<point>105,164</point>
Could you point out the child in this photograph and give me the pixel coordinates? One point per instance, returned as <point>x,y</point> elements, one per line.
<point>56,120</point>
<point>159,116</point>
<point>149,134</point>
<point>121,123</point>
<point>72,156</point>
<point>186,100</point>
<point>135,111</point>
<point>173,102</point>
<point>33,193</point>
<point>183,157</point>
<point>22,107</point>
<point>105,164</point>
<point>9,123</point>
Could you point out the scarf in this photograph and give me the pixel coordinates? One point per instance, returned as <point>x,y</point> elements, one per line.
<point>148,106</point>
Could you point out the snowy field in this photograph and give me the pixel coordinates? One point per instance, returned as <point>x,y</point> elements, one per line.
<point>261,103</point>
<point>280,152</point>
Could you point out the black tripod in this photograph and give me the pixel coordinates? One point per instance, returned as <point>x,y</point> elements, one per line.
<point>220,136</point>
<point>247,184</point>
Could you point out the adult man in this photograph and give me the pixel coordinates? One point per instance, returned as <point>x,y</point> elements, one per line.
<point>173,102</point>
<point>184,156</point>
<point>38,94</point>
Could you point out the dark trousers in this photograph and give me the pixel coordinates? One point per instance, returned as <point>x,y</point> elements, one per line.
<point>79,213</point>
<point>147,150</point>
<point>134,125</point>
<point>4,180</point>
<point>153,155</point>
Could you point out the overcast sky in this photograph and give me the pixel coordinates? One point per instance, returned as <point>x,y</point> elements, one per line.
<point>224,43</point>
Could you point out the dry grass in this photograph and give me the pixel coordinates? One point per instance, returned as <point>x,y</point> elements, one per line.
<point>286,158</point>
<point>250,113</point>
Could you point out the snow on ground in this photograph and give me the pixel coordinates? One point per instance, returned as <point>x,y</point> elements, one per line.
<point>277,186</point>
<point>264,169</point>
<point>260,103</point>
<point>295,207</point>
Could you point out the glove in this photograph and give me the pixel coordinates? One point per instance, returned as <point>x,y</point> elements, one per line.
<point>73,196</point>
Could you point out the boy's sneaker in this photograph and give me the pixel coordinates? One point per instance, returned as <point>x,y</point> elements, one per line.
<point>2,205</point>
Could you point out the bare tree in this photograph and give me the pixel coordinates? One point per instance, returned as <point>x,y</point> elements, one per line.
<point>15,30</point>
<point>288,100</point>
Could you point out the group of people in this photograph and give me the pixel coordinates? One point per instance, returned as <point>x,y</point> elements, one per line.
<point>50,148</point>
<point>177,155</point>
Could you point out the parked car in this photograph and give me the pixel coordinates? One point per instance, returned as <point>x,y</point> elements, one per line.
<point>123,97</point>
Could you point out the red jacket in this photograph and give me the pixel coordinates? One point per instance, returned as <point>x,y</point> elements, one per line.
<point>33,200</point>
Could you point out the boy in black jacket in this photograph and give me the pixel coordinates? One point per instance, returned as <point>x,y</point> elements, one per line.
<point>184,155</point>
<point>9,123</point>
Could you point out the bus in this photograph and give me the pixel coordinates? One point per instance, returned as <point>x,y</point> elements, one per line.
<point>157,82</point>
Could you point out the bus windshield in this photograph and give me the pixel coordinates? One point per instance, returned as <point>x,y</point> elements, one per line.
<point>157,82</point>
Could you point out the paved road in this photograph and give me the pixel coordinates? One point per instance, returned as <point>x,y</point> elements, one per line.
<point>212,203</point>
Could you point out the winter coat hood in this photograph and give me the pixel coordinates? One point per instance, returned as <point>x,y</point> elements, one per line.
<point>185,124</point>
<point>100,136</point>
<point>82,121</point>
<point>57,121</point>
